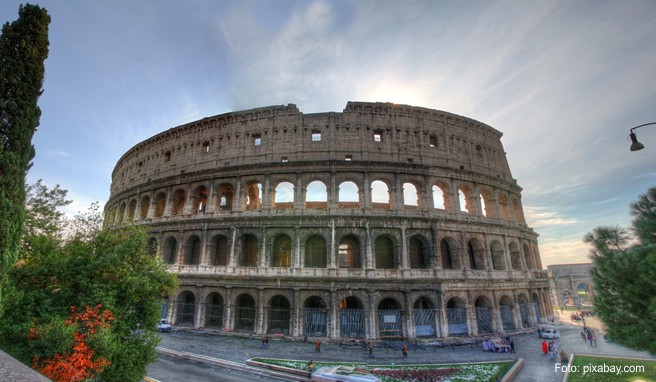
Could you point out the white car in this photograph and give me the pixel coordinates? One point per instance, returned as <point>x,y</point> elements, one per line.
<point>549,333</point>
<point>163,326</point>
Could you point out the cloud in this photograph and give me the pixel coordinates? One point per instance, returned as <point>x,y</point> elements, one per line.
<point>542,216</point>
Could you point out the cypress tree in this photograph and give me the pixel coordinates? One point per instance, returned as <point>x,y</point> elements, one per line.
<point>23,50</point>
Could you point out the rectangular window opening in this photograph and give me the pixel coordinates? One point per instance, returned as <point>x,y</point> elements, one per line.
<point>284,159</point>
<point>348,157</point>
<point>206,147</point>
<point>316,136</point>
<point>257,139</point>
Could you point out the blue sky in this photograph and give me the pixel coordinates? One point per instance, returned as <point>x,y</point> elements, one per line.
<point>563,80</point>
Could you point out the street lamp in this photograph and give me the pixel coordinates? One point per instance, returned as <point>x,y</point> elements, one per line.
<point>635,145</point>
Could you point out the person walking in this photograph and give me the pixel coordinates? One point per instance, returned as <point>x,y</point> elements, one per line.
<point>545,347</point>
<point>371,350</point>
<point>404,350</point>
<point>317,346</point>
<point>512,346</point>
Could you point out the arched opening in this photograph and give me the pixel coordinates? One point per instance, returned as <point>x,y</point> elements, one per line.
<point>279,315</point>
<point>535,303</point>
<point>225,196</point>
<point>504,207</point>
<point>423,314</point>
<point>316,195</point>
<point>214,311</point>
<point>419,253</point>
<point>498,262</point>
<point>507,315</point>
<point>160,204</point>
<point>390,325</point>
<point>121,213</point>
<point>249,251</point>
<point>349,253</point>
<point>284,196</point>
<point>441,200</point>
<point>456,313</point>
<point>380,198</point>
<point>349,195</point>
<point>484,315</point>
<point>410,196</point>
<point>200,199</point>
<point>476,254</point>
<point>192,251</point>
<point>151,246</point>
<point>132,210</point>
<point>515,257</point>
<point>465,199</point>
<point>449,254</point>
<point>315,252</point>
<point>384,253</point>
<point>219,251</point>
<point>245,313</point>
<point>584,294</point>
<point>351,318</point>
<point>170,250</point>
<point>315,317</point>
<point>178,202</point>
<point>282,252</point>
<point>253,199</point>
<point>518,215</point>
<point>527,257</point>
<point>568,299</point>
<point>186,309</point>
<point>522,303</point>
<point>143,211</point>
<point>487,204</point>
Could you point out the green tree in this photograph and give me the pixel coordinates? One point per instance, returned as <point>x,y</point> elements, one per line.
<point>111,268</point>
<point>624,273</point>
<point>23,50</point>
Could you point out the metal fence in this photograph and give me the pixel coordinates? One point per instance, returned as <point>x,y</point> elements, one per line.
<point>245,319</point>
<point>507,317</point>
<point>279,320</point>
<point>390,326</point>
<point>484,318</point>
<point>523,311</point>
<point>351,322</point>
<point>424,320</point>
<point>185,314</point>
<point>314,322</point>
<point>457,318</point>
<point>214,315</point>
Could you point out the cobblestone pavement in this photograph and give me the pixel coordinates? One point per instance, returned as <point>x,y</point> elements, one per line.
<point>537,367</point>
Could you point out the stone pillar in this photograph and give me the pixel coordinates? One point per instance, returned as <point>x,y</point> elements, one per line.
<point>203,249</point>
<point>332,254</point>
<point>497,322</point>
<point>368,263</point>
<point>296,253</point>
<point>297,320</point>
<point>263,260</point>
<point>370,317</point>
<point>231,257</point>
<point>333,308</point>
<point>259,319</point>
<point>407,314</point>
<point>228,318</point>
<point>472,320</point>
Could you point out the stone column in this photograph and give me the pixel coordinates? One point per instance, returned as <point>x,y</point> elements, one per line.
<point>259,319</point>
<point>228,318</point>
<point>404,263</point>
<point>297,320</point>
<point>333,307</point>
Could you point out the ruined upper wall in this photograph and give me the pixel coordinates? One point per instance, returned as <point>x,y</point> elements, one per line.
<point>363,132</point>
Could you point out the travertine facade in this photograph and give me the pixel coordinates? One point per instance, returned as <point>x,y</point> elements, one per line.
<point>382,221</point>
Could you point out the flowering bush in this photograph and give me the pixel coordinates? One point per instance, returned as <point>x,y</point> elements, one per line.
<point>417,374</point>
<point>79,363</point>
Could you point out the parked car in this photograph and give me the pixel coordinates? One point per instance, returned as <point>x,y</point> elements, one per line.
<point>163,326</point>
<point>549,333</point>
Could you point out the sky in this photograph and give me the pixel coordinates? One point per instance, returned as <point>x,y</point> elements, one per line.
<point>564,81</point>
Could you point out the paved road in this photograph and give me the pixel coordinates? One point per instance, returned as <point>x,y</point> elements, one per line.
<point>173,370</point>
<point>538,367</point>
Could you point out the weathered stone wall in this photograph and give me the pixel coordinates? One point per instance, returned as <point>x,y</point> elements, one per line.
<point>432,232</point>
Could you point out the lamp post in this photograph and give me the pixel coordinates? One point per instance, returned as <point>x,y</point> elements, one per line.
<point>635,145</point>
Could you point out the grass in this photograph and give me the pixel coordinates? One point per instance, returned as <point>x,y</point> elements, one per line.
<point>484,371</point>
<point>603,369</point>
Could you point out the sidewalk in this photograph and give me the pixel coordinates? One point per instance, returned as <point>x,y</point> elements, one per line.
<point>537,367</point>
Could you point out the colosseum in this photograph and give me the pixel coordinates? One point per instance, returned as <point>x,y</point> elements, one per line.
<point>383,221</point>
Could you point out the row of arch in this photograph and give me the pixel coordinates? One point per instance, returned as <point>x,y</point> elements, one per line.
<point>313,250</point>
<point>288,193</point>
<point>350,316</point>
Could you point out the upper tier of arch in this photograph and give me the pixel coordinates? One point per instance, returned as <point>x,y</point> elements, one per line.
<point>363,132</point>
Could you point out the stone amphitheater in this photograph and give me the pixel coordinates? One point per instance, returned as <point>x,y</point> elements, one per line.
<point>383,221</point>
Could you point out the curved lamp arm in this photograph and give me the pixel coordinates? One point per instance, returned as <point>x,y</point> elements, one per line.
<point>635,145</point>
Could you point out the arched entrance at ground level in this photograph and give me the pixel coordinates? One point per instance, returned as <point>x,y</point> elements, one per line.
<point>351,318</point>
<point>523,310</point>
<point>583,293</point>
<point>315,317</point>
<point>507,315</point>
<point>279,315</point>
<point>214,311</point>
<point>535,303</point>
<point>567,298</point>
<point>245,313</point>
<point>483,315</point>
<point>457,317</point>
<point>423,315</point>
<point>186,307</point>
<point>390,325</point>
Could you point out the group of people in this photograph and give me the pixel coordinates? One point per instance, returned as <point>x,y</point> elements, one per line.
<point>589,336</point>
<point>498,345</point>
<point>550,348</point>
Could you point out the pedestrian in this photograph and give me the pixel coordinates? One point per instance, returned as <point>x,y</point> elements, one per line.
<point>594,340</point>
<point>585,338</point>
<point>545,347</point>
<point>371,350</point>
<point>317,346</point>
<point>404,350</point>
<point>590,338</point>
<point>265,342</point>
<point>310,366</point>
<point>512,346</point>
<point>539,333</point>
